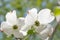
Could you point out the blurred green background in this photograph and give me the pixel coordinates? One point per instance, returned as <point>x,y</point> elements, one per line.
<point>21,6</point>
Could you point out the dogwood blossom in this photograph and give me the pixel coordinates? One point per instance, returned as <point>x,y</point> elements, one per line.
<point>40,21</point>
<point>12,25</point>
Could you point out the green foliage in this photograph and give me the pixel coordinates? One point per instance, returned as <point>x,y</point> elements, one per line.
<point>57,11</point>
<point>31,31</point>
<point>21,5</point>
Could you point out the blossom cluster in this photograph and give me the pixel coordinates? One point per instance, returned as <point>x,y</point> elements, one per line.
<point>43,23</point>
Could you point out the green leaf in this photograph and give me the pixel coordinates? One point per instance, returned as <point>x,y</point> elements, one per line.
<point>57,11</point>
<point>31,31</point>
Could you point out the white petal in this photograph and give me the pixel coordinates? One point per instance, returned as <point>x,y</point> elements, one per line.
<point>29,20</point>
<point>7,28</point>
<point>31,16</point>
<point>11,17</point>
<point>46,32</point>
<point>25,29</point>
<point>20,22</point>
<point>33,13</point>
<point>17,34</point>
<point>23,32</point>
<point>40,28</point>
<point>45,17</point>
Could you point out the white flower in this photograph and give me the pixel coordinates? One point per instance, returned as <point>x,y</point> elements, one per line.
<point>12,25</point>
<point>39,21</point>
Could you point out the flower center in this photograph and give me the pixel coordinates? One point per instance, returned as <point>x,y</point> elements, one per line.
<point>15,27</point>
<point>37,23</point>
